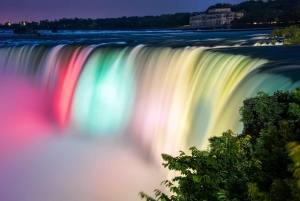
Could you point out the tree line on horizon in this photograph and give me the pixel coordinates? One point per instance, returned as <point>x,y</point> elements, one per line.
<point>256,14</point>
<point>268,13</point>
<point>122,23</point>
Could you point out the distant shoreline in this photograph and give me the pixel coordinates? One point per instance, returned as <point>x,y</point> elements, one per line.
<point>209,29</point>
<point>198,29</point>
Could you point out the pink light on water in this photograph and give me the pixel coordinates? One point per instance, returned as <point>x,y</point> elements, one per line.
<point>25,113</point>
<point>67,83</point>
<point>38,164</point>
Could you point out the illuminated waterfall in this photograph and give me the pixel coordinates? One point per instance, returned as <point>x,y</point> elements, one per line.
<point>165,99</point>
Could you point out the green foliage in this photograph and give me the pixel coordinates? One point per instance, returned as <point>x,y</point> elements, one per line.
<point>273,180</point>
<point>294,154</point>
<point>291,34</point>
<point>219,173</point>
<point>265,110</point>
<point>254,193</point>
<point>273,122</point>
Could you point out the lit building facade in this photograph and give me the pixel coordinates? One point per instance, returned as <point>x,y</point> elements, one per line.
<point>215,18</point>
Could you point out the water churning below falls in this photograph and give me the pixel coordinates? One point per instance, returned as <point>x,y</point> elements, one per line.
<point>83,122</point>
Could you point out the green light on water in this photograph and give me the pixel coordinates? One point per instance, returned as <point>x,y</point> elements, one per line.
<point>103,97</point>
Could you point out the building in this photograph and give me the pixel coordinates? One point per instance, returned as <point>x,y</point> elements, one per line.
<point>217,17</point>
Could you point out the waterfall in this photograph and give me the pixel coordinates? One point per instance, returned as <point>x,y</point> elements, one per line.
<point>81,122</point>
<point>165,99</point>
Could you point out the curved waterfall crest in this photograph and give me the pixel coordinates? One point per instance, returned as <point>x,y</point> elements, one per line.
<point>165,99</point>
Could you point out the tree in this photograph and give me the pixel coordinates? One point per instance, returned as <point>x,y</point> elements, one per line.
<point>272,121</point>
<point>219,173</point>
<point>291,34</point>
<point>265,110</point>
<point>294,154</point>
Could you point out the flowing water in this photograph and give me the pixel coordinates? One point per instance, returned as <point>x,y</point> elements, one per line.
<point>87,119</point>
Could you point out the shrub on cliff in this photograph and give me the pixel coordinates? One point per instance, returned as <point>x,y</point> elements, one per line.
<point>219,173</point>
<point>291,35</point>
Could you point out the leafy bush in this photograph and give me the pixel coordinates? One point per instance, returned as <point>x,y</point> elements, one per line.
<point>219,173</point>
<point>291,34</point>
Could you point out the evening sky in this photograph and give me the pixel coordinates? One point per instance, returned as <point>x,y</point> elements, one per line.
<point>35,10</point>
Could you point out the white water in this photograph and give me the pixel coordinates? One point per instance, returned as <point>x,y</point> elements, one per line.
<point>140,102</point>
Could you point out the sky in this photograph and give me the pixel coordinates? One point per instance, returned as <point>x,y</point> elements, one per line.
<point>35,10</point>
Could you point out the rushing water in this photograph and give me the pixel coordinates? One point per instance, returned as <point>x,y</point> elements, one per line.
<point>88,121</point>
